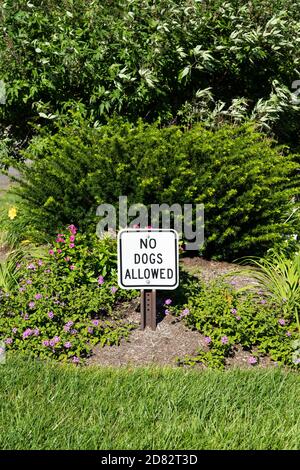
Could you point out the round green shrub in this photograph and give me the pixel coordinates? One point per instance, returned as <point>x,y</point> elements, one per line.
<point>246,182</point>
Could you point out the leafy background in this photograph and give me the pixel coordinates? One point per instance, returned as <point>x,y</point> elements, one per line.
<point>172,61</point>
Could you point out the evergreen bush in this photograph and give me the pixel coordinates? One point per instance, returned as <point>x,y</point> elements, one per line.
<point>246,182</point>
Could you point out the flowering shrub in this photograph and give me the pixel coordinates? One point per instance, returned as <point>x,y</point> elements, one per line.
<point>227,317</point>
<point>62,302</point>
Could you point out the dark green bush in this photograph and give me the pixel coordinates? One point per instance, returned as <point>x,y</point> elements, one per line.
<point>245,181</point>
<point>146,59</point>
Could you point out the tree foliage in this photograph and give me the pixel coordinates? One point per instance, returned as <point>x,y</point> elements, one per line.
<point>168,60</point>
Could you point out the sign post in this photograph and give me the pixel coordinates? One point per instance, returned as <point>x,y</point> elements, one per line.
<point>148,260</point>
<point>148,309</point>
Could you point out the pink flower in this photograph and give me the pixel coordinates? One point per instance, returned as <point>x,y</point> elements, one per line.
<point>31,267</point>
<point>72,238</point>
<point>45,342</point>
<point>207,339</point>
<point>26,333</point>
<point>51,252</point>
<point>224,340</point>
<point>59,251</point>
<point>114,289</point>
<point>56,339</point>
<point>95,322</point>
<point>52,343</point>
<point>288,333</point>
<point>90,330</point>
<point>185,312</point>
<point>167,312</point>
<point>72,229</point>
<point>38,296</point>
<point>14,330</point>
<point>36,332</point>
<point>76,360</point>
<point>67,345</point>
<point>252,360</point>
<point>72,267</point>
<point>233,311</point>
<point>31,305</point>
<point>50,315</point>
<point>60,239</point>
<point>40,262</point>
<point>29,281</point>
<point>100,280</point>
<point>67,259</point>
<point>168,302</point>
<point>8,341</point>
<point>238,317</point>
<point>281,321</point>
<point>71,245</point>
<point>68,325</point>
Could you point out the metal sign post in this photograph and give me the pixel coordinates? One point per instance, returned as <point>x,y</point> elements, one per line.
<point>148,309</point>
<point>148,260</point>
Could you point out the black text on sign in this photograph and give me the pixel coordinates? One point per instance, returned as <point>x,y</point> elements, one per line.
<point>148,259</point>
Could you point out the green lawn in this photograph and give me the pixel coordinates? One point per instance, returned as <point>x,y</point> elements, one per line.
<point>59,407</point>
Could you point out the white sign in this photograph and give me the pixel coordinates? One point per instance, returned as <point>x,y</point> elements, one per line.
<point>148,259</point>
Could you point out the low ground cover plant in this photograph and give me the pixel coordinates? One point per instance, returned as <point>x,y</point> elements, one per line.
<point>228,317</point>
<point>63,301</point>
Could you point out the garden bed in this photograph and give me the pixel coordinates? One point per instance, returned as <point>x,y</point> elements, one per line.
<point>172,341</point>
<point>167,345</point>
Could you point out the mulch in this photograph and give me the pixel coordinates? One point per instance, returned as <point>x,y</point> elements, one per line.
<point>172,341</point>
<point>164,346</point>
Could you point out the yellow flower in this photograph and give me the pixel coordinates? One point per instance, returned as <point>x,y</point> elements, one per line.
<point>12,213</point>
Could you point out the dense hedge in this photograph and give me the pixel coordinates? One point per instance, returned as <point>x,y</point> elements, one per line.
<point>245,180</point>
<point>148,59</point>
